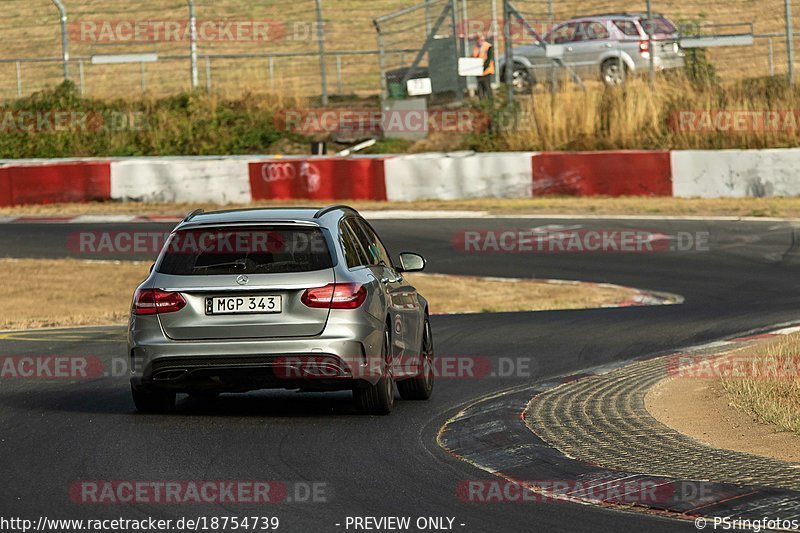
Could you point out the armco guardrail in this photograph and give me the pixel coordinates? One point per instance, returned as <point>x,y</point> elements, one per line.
<point>222,180</point>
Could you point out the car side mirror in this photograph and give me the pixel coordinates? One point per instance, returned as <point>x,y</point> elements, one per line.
<point>411,262</point>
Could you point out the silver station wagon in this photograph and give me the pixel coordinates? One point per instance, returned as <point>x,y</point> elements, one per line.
<point>609,46</point>
<point>295,298</point>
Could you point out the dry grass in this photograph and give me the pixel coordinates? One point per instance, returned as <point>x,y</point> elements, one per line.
<point>770,388</point>
<point>586,206</point>
<point>65,292</point>
<point>636,117</point>
<point>30,29</point>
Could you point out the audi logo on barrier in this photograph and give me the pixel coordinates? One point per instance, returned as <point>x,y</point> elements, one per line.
<point>278,172</point>
<point>308,173</point>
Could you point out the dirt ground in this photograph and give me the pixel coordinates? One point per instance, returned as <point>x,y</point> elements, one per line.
<point>702,409</point>
<point>649,206</point>
<point>66,292</point>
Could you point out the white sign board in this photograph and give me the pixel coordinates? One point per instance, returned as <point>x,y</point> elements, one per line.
<point>108,59</point>
<point>419,87</point>
<point>470,66</point>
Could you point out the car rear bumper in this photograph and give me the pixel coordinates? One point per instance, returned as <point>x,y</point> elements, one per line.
<point>342,357</point>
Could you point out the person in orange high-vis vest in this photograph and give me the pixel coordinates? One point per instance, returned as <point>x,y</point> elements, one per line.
<point>484,50</point>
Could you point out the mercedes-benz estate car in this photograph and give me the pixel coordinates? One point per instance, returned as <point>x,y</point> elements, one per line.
<point>609,46</point>
<point>294,298</point>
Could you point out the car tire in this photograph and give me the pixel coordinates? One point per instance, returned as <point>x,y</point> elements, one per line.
<point>612,73</point>
<point>521,80</point>
<point>148,401</point>
<point>378,399</point>
<point>420,387</point>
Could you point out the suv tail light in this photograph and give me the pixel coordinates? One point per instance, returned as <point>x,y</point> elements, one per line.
<point>644,48</point>
<point>335,296</point>
<point>154,301</point>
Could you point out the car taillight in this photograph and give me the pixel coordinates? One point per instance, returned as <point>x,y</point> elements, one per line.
<point>335,296</point>
<point>644,47</point>
<point>153,301</point>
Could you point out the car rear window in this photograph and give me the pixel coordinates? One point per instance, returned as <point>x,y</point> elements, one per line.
<point>251,250</point>
<point>659,25</point>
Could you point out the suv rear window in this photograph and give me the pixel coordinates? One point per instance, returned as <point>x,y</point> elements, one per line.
<point>251,250</point>
<point>659,25</point>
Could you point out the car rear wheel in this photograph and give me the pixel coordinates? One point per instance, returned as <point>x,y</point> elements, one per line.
<point>378,399</point>
<point>613,73</point>
<point>420,387</point>
<point>148,401</point>
<point>521,80</point>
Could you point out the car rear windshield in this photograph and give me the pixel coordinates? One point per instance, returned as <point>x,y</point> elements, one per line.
<point>251,250</point>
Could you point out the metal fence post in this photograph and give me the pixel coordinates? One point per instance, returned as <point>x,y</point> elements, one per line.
<point>789,40</point>
<point>271,72</point>
<point>465,26</point>
<point>142,80</point>
<point>322,60</point>
<point>19,80</point>
<point>650,43</point>
<point>509,61</point>
<point>193,43</point>
<point>382,62</point>
<point>427,17</point>
<point>339,87</point>
<point>208,74</point>
<point>771,59</point>
<point>81,77</point>
<point>64,37</point>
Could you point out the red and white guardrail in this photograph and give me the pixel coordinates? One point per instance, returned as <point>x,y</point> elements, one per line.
<point>458,175</point>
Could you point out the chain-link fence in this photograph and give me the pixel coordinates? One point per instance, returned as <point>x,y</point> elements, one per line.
<point>319,47</point>
<point>242,46</point>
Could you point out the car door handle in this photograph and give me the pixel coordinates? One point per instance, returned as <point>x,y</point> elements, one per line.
<point>385,280</point>
<point>569,49</point>
<point>609,45</point>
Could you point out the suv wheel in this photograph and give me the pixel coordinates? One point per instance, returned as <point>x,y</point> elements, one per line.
<point>521,80</point>
<point>613,73</point>
<point>420,386</point>
<point>148,401</point>
<point>378,399</point>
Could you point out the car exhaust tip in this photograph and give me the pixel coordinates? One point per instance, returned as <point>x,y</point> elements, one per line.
<point>170,375</point>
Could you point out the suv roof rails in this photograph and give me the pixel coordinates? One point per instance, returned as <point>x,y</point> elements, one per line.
<point>326,210</point>
<point>193,214</point>
<point>622,14</point>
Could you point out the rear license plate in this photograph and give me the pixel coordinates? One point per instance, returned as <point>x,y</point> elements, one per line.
<point>236,305</point>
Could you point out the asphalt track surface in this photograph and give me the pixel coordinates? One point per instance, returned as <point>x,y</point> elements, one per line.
<point>53,433</point>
